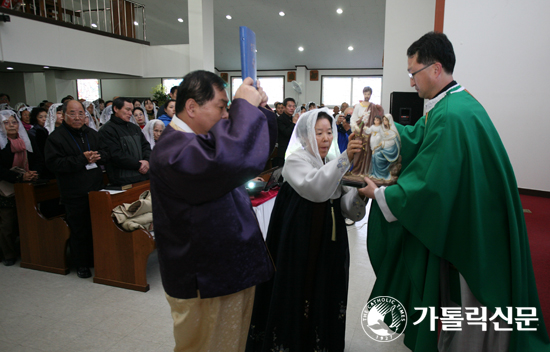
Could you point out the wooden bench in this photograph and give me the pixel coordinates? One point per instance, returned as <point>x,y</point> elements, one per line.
<point>43,241</point>
<point>120,257</point>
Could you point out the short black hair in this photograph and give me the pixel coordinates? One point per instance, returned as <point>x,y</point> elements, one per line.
<point>134,101</point>
<point>312,104</point>
<point>199,86</point>
<point>173,89</point>
<point>67,98</point>
<point>5,95</point>
<point>64,106</point>
<point>302,108</point>
<point>434,47</point>
<point>367,89</point>
<point>287,100</point>
<point>140,109</point>
<point>34,115</point>
<point>108,101</point>
<point>277,104</point>
<point>119,103</point>
<point>168,102</point>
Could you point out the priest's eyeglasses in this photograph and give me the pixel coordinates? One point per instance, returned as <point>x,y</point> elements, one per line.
<point>411,75</point>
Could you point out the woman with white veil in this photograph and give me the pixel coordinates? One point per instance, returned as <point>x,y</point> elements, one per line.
<point>15,145</point>
<point>24,114</point>
<point>150,109</point>
<point>93,114</point>
<point>152,131</point>
<point>303,307</point>
<point>55,117</point>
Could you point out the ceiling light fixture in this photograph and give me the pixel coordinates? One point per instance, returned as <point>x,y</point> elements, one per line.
<point>301,48</point>
<point>350,48</point>
<point>9,68</point>
<point>339,11</point>
<point>94,25</point>
<point>46,67</point>
<point>180,19</point>
<point>281,13</point>
<point>136,23</point>
<point>228,17</point>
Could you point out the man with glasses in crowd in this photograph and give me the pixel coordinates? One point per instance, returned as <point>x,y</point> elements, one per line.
<point>451,232</point>
<point>72,152</point>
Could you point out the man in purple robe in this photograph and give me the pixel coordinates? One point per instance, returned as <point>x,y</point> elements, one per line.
<point>210,247</point>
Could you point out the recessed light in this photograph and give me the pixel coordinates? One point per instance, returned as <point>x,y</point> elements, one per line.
<point>301,48</point>
<point>46,67</point>
<point>228,17</point>
<point>339,11</point>
<point>136,23</point>
<point>350,48</point>
<point>94,25</point>
<point>180,19</point>
<point>281,13</point>
<point>9,68</point>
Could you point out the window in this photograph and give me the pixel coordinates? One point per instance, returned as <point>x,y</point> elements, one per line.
<point>168,83</point>
<point>337,90</point>
<point>88,89</point>
<point>274,87</point>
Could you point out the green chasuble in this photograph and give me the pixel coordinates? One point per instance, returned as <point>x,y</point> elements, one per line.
<point>457,199</point>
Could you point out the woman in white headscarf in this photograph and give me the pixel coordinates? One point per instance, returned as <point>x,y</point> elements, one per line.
<point>92,114</point>
<point>14,167</point>
<point>55,117</point>
<point>152,131</point>
<point>24,114</point>
<point>303,308</point>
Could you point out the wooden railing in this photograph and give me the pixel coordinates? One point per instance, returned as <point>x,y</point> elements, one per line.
<point>120,17</point>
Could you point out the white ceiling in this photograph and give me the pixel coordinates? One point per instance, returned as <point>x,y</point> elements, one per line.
<point>313,24</point>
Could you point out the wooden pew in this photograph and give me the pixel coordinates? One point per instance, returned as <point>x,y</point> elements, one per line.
<point>43,241</point>
<point>120,257</point>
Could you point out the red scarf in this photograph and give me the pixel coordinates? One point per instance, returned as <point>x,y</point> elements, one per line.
<point>27,126</point>
<point>19,151</point>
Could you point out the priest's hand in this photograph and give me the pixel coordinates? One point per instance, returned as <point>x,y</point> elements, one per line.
<point>354,146</point>
<point>369,190</point>
<point>247,92</point>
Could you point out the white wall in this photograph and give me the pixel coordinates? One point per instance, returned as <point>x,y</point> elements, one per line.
<point>502,52</point>
<point>406,21</point>
<point>33,42</point>
<point>128,87</point>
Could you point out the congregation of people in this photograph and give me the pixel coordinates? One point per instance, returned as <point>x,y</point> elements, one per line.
<point>74,142</point>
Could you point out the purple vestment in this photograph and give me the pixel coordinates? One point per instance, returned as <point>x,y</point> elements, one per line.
<point>207,234</point>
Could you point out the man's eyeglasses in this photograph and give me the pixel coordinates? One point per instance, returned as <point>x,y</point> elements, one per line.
<point>411,75</point>
<point>74,115</point>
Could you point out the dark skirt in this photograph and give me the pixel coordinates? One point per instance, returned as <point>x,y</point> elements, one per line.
<point>303,307</point>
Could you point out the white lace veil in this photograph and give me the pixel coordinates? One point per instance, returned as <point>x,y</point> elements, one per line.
<point>23,108</point>
<point>52,117</point>
<point>5,115</point>
<point>303,136</point>
<point>93,125</point>
<point>106,114</point>
<point>19,106</point>
<point>148,131</point>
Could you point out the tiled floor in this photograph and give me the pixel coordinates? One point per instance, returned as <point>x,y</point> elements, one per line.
<point>47,312</point>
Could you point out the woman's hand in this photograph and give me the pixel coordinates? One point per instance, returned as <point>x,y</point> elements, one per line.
<point>354,146</point>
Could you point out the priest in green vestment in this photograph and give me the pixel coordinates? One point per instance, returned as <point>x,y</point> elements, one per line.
<point>453,225</point>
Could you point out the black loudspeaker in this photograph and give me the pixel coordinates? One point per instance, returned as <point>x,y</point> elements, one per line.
<point>406,107</point>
